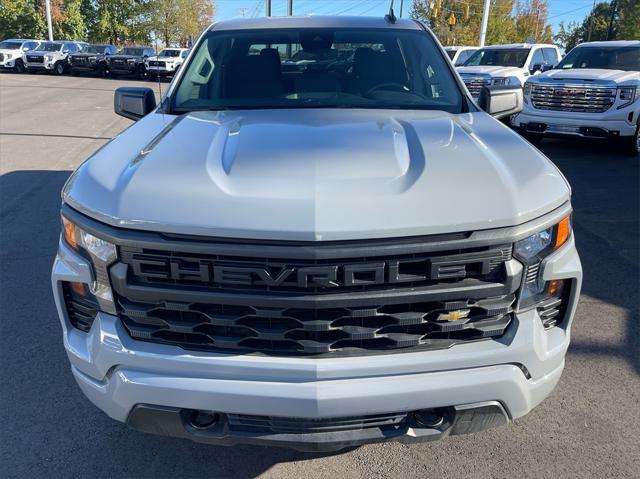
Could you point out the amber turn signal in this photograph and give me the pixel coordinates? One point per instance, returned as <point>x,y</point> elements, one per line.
<point>70,233</point>
<point>564,229</point>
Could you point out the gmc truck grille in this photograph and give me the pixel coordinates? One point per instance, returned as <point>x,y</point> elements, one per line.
<point>572,98</point>
<point>475,84</point>
<point>154,63</point>
<point>79,60</point>
<point>348,298</point>
<point>35,58</point>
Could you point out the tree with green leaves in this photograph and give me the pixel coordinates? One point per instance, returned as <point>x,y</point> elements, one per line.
<point>175,21</point>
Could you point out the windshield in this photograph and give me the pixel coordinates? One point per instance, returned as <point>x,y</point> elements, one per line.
<point>135,52</point>
<point>504,57</point>
<point>94,49</point>
<point>49,47</point>
<point>310,68</point>
<point>10,45</point>
<point>169,53</point>
<point>608,58</point>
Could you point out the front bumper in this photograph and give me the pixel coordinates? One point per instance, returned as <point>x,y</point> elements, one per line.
<point>611,124</point>
<point>119,374</point>
<point>46,66</point>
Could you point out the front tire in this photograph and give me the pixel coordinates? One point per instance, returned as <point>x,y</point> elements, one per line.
<point>533,138</point>
<point>58,68</point>
<point>630,146</point>
<point>141,72</point>
<point>19,66</point>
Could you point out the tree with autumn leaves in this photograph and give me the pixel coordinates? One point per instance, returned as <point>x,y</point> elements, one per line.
<point>457,22</point>
<point>119,22</point>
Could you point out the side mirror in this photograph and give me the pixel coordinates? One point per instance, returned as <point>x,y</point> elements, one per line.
<point>501,101</point>
<point>535,68</point>
<point>134,102</point>
<point>546,68</point>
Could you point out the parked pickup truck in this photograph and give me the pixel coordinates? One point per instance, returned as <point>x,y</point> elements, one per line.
<point>92,59</point>
<point>12,51</point>
<point>593,93</point>
<point>50,56</point>
<point>316,256</point>
<point>129,61</point>
<point>506,65</point>
<point>459,55</point>
<point>166,63</point>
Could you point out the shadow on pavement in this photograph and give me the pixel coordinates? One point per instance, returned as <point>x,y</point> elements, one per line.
<point>606,201</point>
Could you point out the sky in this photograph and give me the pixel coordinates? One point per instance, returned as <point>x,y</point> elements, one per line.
<point>559,10</point>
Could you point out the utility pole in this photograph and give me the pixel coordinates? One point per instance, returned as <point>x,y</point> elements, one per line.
<point>614,5</point>
<point>591,21</point>
<point>268,8</point>
<point>48,8</point>
<point>290,8</point>
<point>485,21</point>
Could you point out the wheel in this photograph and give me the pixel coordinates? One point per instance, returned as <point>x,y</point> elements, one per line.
<point>141,72</point>
<point>533,138</point>
<point>630,145</point>
<point>102,70</point>
<point>19,66</point>
<point>58,68</point>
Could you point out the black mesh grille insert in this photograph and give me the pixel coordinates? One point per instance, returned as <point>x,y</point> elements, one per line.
<point>81,310</point>
<point>318,331</point>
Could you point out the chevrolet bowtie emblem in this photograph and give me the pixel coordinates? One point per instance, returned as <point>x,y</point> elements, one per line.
<point>454,315</point>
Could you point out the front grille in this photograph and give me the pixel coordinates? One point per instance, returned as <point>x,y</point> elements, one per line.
<point>295,425</point>
<point>154,63</point>
<point>79,60</point>
<point>35,58</point>
<point>585,99</point>
<point>117,61</point>
<point>475,84</point>
<point>354,298</point>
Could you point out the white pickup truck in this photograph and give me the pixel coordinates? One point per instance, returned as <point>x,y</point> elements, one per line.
<point>506,65</point>
<point>592,93</point>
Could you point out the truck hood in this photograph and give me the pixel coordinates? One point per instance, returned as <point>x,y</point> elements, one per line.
<point>492,71</point>
<point>316,174</point>
<point>615,76</point>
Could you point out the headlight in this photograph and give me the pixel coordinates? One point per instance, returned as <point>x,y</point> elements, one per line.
<point>528,88</point>
<point>101,254</point>
<point>8,55</point>
<point>532,251</point>
<point>48,57</point>
<point>92,59</point>
<point>628,95</point>
<point>131,60</point>
<point>500,81</point>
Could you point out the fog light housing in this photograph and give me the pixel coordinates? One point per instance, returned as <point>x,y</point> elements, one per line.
<point>82,306</point>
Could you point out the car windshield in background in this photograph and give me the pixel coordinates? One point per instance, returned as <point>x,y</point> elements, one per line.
<point>10,45</point>
<point>169,53</point>
<point>451,54</point>
<point>134,52</point>
<point>503,57</point>
<point>317,68</point>
<point>608,58</point>
<point>49,47</point>
<point>94,49</point>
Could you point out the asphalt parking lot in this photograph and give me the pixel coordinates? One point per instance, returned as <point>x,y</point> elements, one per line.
<point>587,428</point>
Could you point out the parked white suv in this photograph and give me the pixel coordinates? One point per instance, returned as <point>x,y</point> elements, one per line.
<point>11,52</point>
<point>166,63</point>
<point>51,56</point>
<point>506,65</point>
<point>459,55</point>
<point>592,93</point>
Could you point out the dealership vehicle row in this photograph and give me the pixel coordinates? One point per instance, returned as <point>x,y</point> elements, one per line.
<point>592,92</point>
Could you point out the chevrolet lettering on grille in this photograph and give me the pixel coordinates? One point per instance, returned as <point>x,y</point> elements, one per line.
<point>326,276</point>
